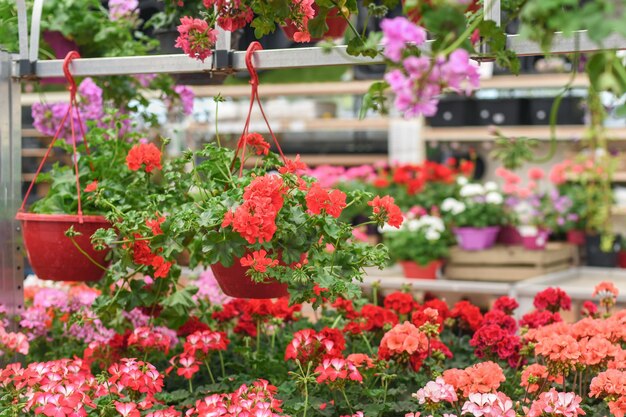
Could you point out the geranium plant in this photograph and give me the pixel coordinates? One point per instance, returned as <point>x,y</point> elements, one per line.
<point>478,206</point>
<point>423,238</point>
<point>269,221</point>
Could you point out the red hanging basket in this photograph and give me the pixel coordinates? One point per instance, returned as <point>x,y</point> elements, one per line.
<point>235,283</point>
<point>337,25</point>
<point>53,256</point>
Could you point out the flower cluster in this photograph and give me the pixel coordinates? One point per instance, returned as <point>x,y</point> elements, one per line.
<point>337,369</point>
<point>196,38</point>
<point>419,80</point>
<point>489,405</point>
<point>310,346</point>
<point>386,211</point>
<point>233,15</point>
<point>553,402</point>
<point>150,338</point>
<point>497,338</point>
<point>122,9</point>
<point>482,378</point>
<point>255,219</point>
<point>250,314</point>
<point>146,154</point>
<point>255,400</point>
<point>47,117</point>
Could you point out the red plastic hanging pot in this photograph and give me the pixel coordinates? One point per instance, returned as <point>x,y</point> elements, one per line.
<point>414,270</point>
<point>337,25</point>
<point>53,256</point>
<point>235,283</point>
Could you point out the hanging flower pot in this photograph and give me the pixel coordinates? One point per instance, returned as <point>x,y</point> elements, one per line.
<point>534,238</point>
<point>412,269</point>
<point>235,283</point>
<point>476,238</point>
<point>337,25</point>
<point>53,255</point>
<point>576,237</point>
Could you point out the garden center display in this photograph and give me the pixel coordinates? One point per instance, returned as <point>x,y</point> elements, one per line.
<point>199,269</point>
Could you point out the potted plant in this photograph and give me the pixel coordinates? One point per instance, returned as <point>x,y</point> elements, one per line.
<point>476,216</point>
<point>262,226</point>
<point>588,180</point>
<point>57,228</point>
<point>540,214</point>
<point>576,214</point>
<point>420,245</point>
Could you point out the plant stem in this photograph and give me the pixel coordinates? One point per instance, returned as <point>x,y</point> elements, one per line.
<point>190,386</point>
<point>336,322</point>
<point>208,368</point>
<point>217,132</point>
<point>93,261</point>
<point>367,342</point>
<point>468,31</point>
<point>219,352</point>
<point>258,336</point>
<point>345,397</point>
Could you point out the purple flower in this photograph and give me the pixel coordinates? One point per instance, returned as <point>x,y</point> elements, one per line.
<point>47,118</point>
<point>119,9</point>
<point>50,297</point>
<point>209,290</point>
<point>136,318</point>
<point>186,98</point>
<point>145,79</point>
<point>34,319</point>
<point>458,70</point>
<point>90,330</point>
<point>397,32</point>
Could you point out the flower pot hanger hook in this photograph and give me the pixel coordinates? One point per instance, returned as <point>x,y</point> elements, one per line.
<point>254,77</point>
<point>254,96</point>
<point>71,55</point>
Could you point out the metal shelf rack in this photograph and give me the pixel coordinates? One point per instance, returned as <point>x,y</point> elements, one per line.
<point>15,68</point>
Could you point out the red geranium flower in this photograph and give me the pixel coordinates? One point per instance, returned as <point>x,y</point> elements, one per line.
<point>144,154</point>
<point>155,224</point>
<point>258,261</point>
<point>91,187</point>
<point>196,38</point>
<point>385,211</point>
<point>293,166</point>
<point>318,199</point>
<point>257,144</point>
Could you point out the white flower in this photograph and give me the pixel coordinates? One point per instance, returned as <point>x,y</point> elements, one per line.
<point>412,225</point>
<point>434,223</point>
<point>471,190</point>
<point>494,197</point>
<point>452,205</point>
<point>432,235</point>
<point>491,186</point>
<point>528,230</point>
<point>461,180</point>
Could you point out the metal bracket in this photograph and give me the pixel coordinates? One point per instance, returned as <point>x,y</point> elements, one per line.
<point>223,54</point>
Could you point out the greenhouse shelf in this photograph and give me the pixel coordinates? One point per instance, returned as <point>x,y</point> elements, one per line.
<point>279,58</point>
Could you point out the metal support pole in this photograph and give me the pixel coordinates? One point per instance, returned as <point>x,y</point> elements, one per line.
<point>492,11</point>
<point>11,257</point>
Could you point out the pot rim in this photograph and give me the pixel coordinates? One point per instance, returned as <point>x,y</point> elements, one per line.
<point>59,218</point>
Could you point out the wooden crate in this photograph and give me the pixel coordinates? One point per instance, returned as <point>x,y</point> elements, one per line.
<point>509,263</point>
